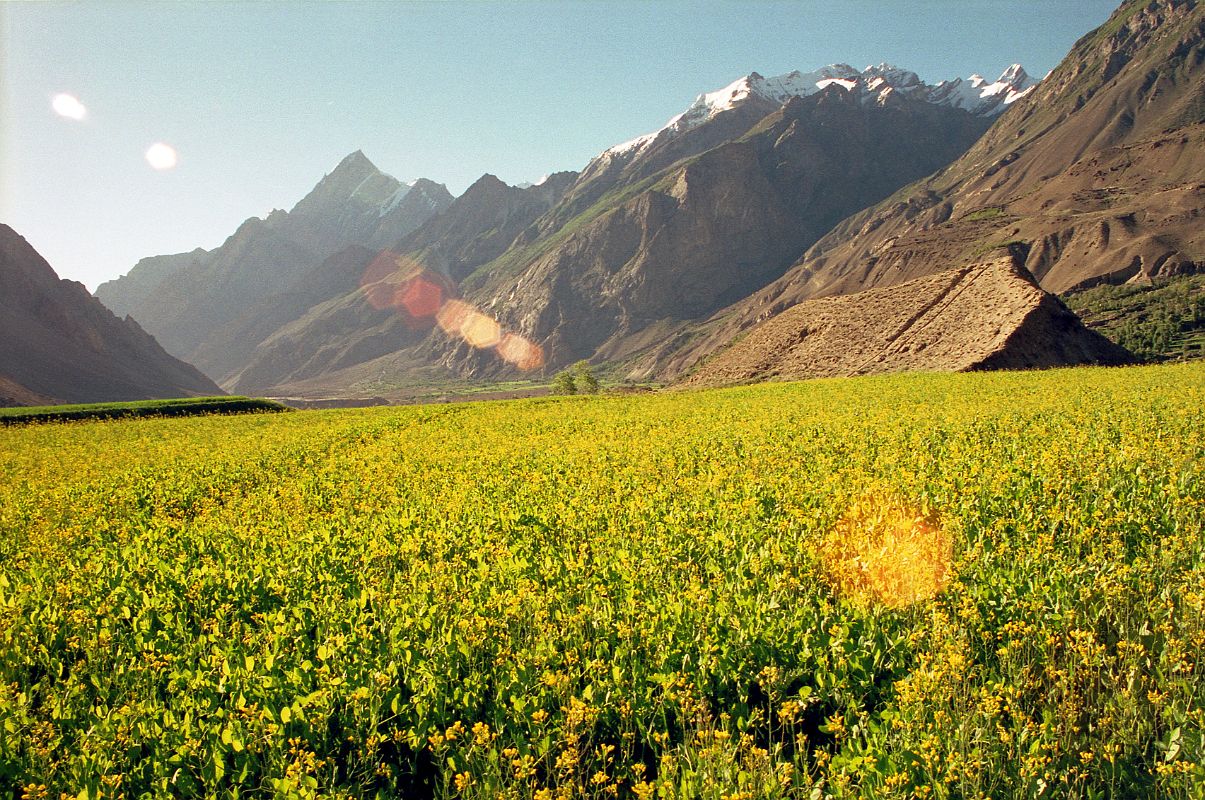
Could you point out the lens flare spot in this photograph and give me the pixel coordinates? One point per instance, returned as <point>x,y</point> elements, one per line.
<point>68,106</point>
<point>884,551</point>
<point>161,156</point>
<point>393,281</point>
<point>520,351</point>
<point>452,316</point>
<point>380,268</point>
<point>379,280</point>
<point>480,331</point>
<point>421,297</point>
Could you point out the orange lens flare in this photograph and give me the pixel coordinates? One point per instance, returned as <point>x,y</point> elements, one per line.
<point>522,352</point>
<point>481,331</point>
<point>423,296</point>
<point>393,281</point>
<point>452,316</point>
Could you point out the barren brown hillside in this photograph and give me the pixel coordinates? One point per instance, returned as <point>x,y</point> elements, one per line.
<point>989,315</point>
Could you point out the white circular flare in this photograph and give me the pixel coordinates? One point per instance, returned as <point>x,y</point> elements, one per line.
<point>69,106</point>
<point>161,156</point>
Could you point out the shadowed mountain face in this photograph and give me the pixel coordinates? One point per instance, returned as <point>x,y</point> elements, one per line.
<point>58,344</point>
<point>189,300</point>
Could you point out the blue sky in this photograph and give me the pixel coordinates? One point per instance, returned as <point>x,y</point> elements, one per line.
<point>261,99</point>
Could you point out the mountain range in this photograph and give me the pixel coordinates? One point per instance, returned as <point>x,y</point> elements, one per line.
<point>667,228</point>
<point>192,300</point>
<point>697,253</point>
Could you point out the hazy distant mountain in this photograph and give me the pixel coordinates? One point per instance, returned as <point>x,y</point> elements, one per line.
<point>344,330</point>
<point>131,291</point>
<point>1096,176</point>
<point>58,344</point>
<point>187,300</point>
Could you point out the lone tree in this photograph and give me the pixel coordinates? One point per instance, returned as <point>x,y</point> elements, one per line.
<point>578,379</point>
<point>583,378</point>
<point>563,383</point>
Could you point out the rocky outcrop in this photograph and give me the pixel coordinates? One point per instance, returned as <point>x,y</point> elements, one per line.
<point>58,344</point>
<point>988,315</point>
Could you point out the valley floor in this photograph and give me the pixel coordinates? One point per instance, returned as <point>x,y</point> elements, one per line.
<point>909,586</point>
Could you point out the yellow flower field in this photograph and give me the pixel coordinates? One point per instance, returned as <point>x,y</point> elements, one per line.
<point>942,586</point>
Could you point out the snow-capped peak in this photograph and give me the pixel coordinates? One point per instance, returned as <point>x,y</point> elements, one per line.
<point>1015,75</point>
<point>973,94</point>
<point>980,97</point>
<point>778,89</point>
<point>894,76</point>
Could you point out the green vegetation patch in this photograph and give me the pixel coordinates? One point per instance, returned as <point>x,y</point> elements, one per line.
<point>1119,19</point>
<point>181,407</point>
<point>949,586</point>
<point>1156,322</point>
<point>991,212</point>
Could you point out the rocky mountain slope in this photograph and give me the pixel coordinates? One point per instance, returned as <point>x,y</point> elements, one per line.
<point>58,344</point>
<point>678,223</point>
<point>1096,176</point>
<point>188,300</point>
<point>987,315</point>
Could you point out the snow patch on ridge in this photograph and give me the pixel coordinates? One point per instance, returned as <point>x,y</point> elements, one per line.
<point>428,199</point>
<point>877,83</point>
<point>396,198</point>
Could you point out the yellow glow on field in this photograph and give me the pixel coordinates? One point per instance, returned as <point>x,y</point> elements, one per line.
<point>888,552</point>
